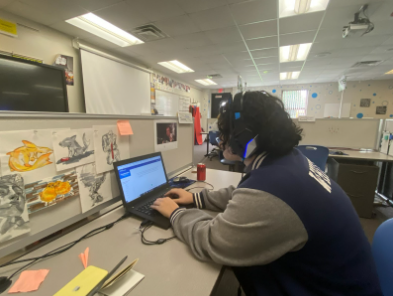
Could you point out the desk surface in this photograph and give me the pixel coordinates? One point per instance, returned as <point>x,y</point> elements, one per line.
<point>169,269</point>
<point>364,155</point>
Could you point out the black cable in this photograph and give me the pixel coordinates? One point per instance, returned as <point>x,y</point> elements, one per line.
<point>147,242</point>
<point>63,248</point>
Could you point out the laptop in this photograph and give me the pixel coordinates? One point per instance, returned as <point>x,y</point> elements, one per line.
<point>141,181</point>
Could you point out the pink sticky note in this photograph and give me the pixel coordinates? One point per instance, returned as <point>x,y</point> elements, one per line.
<point>29,280</point>
<point>82,257</point>
<point>124,127</point>
<point>86,256</point>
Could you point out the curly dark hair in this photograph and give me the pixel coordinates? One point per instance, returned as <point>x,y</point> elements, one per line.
<point>265,116</point>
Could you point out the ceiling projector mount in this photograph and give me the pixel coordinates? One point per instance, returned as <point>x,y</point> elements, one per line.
<point>361,24</point>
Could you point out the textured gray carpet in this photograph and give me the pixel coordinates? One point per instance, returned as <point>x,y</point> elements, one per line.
<point>199,156</point>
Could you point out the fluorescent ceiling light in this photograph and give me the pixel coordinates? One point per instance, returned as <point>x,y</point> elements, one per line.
<point>206,82</point>
<point>101,28</point>
<point>289,75</point>
<point>389,73</point>
<point>294,53</point>
<point>296,7</point>
<point>176,66</point>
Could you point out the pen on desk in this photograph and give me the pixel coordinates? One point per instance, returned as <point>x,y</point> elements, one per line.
<point>102,282</point>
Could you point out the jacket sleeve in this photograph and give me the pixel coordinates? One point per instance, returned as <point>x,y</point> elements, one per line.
<point>255,229</point>
<point>214,200</point>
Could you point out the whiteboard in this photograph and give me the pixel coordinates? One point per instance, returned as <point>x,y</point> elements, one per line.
<point>167,103</point>
<point>114,88</point>
<point>349,133</point>
<point>332,110</point>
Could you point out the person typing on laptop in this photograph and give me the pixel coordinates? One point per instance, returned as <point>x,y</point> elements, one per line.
<point>287,229</point>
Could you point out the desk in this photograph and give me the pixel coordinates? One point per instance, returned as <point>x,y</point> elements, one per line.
<point>363,155</point>
<point>170,269</point>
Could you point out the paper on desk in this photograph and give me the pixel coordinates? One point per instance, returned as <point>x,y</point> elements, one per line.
<point>124,127</point>
<point>122,286</point>
<point>29,280</point>
<point>84,257</point>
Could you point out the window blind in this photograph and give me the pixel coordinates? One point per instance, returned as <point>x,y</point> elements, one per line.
<point>295,102</point>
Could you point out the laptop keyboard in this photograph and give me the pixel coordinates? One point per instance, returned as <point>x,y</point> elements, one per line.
<point>146,209</point>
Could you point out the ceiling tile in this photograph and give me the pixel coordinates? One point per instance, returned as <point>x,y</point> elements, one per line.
<point>340,3</point>
<point>102,43</point>
<point>204,51</point>
<point>254,11</point>
<point>192,40</point>
<point>60,9</point>
<point>156,10</point>
<point>297,38</point>
<point>212,19</point>
<point>239,57</point>
<point>224,35</point>
<point>232,47</point>
<point>258,30</point>
<point>299,23</point>
<point>267,61</point>
<point>97,4</point>
<point>31,13</point>
<point>271,52</point>
<point>213,59</point>
<point>191,6</point>
<point>123,15</point>
<point>262,43</point>
<point>329,35</point>
<point>179,25</point>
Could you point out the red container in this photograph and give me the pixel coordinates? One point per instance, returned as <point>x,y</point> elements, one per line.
<point>201,172</point>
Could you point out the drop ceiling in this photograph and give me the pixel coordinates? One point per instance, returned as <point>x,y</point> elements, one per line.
<point>233,37</point>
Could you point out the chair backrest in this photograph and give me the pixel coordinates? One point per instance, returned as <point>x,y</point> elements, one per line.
<point>383,255</point>
<point>317,154</point>
<point>213,135</point>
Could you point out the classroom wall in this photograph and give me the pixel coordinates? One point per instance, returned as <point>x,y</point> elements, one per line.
<point>45,45</point>
<point>320,94</point>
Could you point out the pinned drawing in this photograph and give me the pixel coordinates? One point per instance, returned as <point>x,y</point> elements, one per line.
<point>14,219</point>
<point>109,147</point>
<point>73,148</point>
<point>94,188</point>
<point>29,153</point>
<point>51,191</point>
<point>28,157</point>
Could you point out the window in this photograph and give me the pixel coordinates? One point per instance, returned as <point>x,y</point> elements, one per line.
<point>295,102</point>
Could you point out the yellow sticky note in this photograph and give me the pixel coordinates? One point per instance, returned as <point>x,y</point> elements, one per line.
<point>124,127</point>
<point>29,280</point>
<point>8,28</point>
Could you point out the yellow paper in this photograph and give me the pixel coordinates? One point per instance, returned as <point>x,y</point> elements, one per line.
<point>8,28</point>
<point>124,127</point>
<point>84,282</point>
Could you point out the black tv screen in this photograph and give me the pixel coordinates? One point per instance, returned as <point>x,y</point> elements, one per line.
<point>30,86</point>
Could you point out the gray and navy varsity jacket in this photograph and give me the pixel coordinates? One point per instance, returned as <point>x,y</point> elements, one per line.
<point>287,229</point>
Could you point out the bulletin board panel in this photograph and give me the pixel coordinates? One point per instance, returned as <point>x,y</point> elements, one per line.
<point>349,133</point>
<point>49,221</point>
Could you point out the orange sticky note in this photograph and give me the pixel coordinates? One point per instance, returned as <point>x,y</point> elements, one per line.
<point>86,256</point>
<point>29,280</point>
<point>124,127</point>
<point>82,257</point>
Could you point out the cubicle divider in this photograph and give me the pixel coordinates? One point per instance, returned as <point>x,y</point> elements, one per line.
<point>348,133</point>
<point>49,221</point>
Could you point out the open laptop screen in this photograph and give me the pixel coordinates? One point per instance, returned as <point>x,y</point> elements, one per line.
<point>141,176</point>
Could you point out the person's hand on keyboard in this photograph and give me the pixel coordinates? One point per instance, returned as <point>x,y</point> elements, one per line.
<point>180,196</point>
<point>165,206</point>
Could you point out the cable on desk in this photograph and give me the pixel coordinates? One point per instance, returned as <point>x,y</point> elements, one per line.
<point>201,187</point>
<point>58,250</point>
<point>145,225</point>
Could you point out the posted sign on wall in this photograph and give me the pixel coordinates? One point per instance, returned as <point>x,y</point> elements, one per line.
<point>8,28</point>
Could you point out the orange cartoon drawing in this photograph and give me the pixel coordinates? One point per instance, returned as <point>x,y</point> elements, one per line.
<point>53,189</point>
<point>29,157</point>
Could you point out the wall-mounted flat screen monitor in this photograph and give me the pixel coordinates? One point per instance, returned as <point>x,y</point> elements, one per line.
<point>31,86</point>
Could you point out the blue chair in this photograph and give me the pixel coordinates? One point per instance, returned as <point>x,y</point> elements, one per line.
<point>317,154</point>
<point>383,256</point>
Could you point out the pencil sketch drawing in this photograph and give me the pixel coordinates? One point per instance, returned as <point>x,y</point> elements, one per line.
<point>14,219</point>
<point>76,152</point>
<point>109,146</point>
